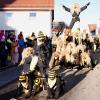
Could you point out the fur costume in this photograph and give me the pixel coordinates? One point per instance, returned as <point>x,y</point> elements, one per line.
<point>71,48</point>
<point>69,58</point>
<point>54,61</point>
<point>80,47</point>
<point>75,10</point>
<point>26,53</point>
<point>77,37</point>
<point>54,43</point>
<point>62,39</point>
<point>67,53</point>
<point>54,40</point>
<point>85,59</point>
<point>98,36</point>
<point>43,53</point>
<point>73,55</point>
<point>55,84</point>
<point>97,43</point>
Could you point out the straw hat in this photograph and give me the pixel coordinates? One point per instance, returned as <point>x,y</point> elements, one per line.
<point>41,35</point>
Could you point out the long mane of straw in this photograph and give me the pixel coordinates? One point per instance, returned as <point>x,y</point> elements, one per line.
<point>77,10</point>
<point>27,52</point>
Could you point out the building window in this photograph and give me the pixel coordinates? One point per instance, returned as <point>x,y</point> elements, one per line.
<point>32,14</point>
<point>9,14</point>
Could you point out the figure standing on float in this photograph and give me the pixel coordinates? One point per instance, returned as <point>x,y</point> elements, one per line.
<point>75,10</point>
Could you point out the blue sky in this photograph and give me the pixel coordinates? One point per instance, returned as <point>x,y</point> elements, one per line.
<point>88,16</point>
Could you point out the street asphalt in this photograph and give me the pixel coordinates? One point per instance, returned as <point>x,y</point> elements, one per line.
<point>9,75</point>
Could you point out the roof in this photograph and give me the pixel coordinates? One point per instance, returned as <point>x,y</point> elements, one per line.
<point>92,27</point>
<point>27,4</point>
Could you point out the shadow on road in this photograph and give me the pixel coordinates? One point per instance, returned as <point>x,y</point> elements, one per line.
<point>71,80</point>
<point>9,89</point>
<point>11,95</point>
<point>8,95</point>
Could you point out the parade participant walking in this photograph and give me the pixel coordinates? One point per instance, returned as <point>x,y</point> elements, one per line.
<point>43,53</point>
<point>26,72</point>
<point>40,58</point>
<point>55,84</point>
<point>62,39</point>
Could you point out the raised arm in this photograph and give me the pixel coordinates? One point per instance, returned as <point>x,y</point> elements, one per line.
<point>66,8</point>
<point>84,7</point>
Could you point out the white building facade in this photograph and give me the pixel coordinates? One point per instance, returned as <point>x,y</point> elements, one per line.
<point>27,19</point>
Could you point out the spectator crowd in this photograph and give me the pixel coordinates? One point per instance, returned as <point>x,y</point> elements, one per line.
<point>11,49</point>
